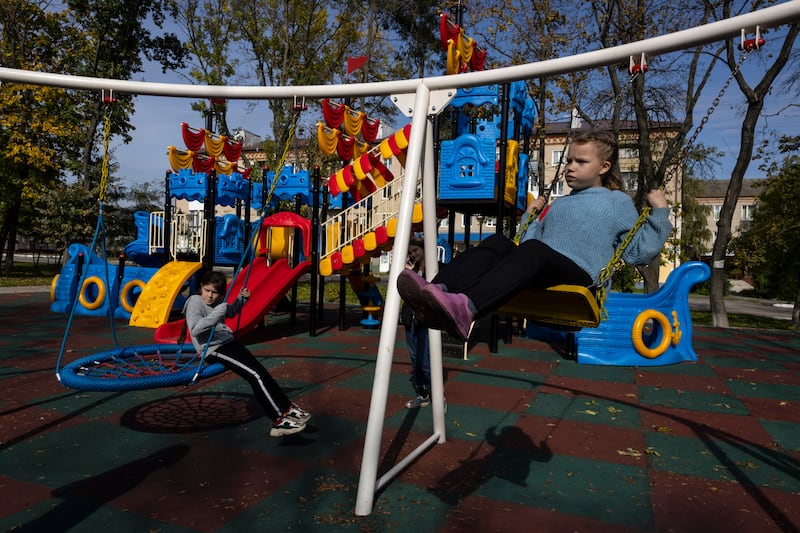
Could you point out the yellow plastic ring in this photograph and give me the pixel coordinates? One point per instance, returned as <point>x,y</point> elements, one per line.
<point>53,288</point>
<point>638,330</point>
<point>101,293</point>
<point>126,292</point>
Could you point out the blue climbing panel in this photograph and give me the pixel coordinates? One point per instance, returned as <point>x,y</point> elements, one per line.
<point>467,169</point>
<point>188,185</point>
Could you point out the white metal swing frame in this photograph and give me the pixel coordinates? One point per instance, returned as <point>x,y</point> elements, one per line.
<point>429,96</point>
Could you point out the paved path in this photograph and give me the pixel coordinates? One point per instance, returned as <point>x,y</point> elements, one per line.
<point>745,306</point>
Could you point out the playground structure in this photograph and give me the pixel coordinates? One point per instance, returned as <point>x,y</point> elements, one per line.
<point>429,95</point>
<point>94,297</point>
<point>268,276</point>
<point>640,329</point>
<point>172,245</point>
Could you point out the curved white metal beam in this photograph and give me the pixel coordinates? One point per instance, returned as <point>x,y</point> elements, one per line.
<point>772,16</point>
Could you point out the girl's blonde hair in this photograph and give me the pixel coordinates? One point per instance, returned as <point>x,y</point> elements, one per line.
<point>607,147</point>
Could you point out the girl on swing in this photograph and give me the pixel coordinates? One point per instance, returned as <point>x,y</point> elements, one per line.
<point>571,245</point>
<point>205,317</point>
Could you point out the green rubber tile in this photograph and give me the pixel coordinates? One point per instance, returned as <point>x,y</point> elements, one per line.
<point>596,372</point>
<point>461,422</point>
<point>194,411</point>
<point>774,391</point>
<point>684,369</point>
<point>505,379</point>
<point>603,411</point>
<point>523,351</point>
<point>551,405</point>
<point>729,460</point>
<point>95,405</point>
<point>78,515</point>
<point>364,380</point>
<point>323,437</point>
<point>60,457</point>
<point>331,357</point>
<point>693,400</point>
<point>742,362</point>
<point>774,342</point>
<point>597,411</point>
<point>323,500</point>
<point>608,492</point>
<point>786,434</point>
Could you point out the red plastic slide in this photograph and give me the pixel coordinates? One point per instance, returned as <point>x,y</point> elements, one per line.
<point>267,284</point>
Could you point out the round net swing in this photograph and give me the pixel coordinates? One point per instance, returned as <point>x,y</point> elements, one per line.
<point>137,368</point>
<point>132,367</point>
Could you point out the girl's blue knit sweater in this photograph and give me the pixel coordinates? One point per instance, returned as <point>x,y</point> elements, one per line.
<point>589,224</point>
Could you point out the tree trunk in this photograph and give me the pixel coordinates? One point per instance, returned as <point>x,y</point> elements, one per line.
<point>649,273</point>
<point>11,223</point>
<point>796,308</point>
<point>719,314</point>
<point>755,103</point>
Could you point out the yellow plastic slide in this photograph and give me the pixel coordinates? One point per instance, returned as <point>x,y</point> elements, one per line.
<point>155,302</point>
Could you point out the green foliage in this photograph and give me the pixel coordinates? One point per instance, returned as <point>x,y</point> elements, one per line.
<point>119,214</point>
<point>625,278</point>
<point>49,135</point>
<point>768,249</point>
<point>694,224</point>
<point>417,25</point>
<point>63,216</point>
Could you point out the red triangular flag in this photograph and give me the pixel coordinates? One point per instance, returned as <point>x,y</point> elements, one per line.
<point>355,63</point>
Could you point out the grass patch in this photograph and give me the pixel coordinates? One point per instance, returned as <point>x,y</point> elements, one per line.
<point>332,291</point>
<point>29,275</point>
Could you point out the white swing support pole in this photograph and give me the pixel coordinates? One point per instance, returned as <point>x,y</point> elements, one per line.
<point>420,143</point>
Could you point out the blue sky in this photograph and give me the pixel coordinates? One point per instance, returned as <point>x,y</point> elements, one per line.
<point>157,121</point>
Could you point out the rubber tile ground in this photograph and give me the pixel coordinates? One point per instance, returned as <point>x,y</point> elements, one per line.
<point>535,442</point>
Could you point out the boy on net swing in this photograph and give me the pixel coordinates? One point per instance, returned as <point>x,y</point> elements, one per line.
<point>571,245</point>
<point>205,317</point>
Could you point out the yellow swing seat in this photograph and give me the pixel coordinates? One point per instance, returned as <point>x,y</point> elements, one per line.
<point>572,306</point>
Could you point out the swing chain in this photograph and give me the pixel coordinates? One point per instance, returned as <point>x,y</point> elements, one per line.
<point>616,259</point>
<point>107,100</point>
<point>293,128</point>
<point>711,108</point>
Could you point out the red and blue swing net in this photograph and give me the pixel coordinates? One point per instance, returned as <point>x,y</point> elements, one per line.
<point>137,368</point>
<point>134,367</point>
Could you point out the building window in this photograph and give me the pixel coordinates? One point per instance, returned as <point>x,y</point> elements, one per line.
<point>490,222</point>
<point>716,209</point>
<point>557,154</point>
<point>747,212</point>
<point>533,170</point>
<point>630,180</point>
<point>557,189</point>
<point>628,153</point>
